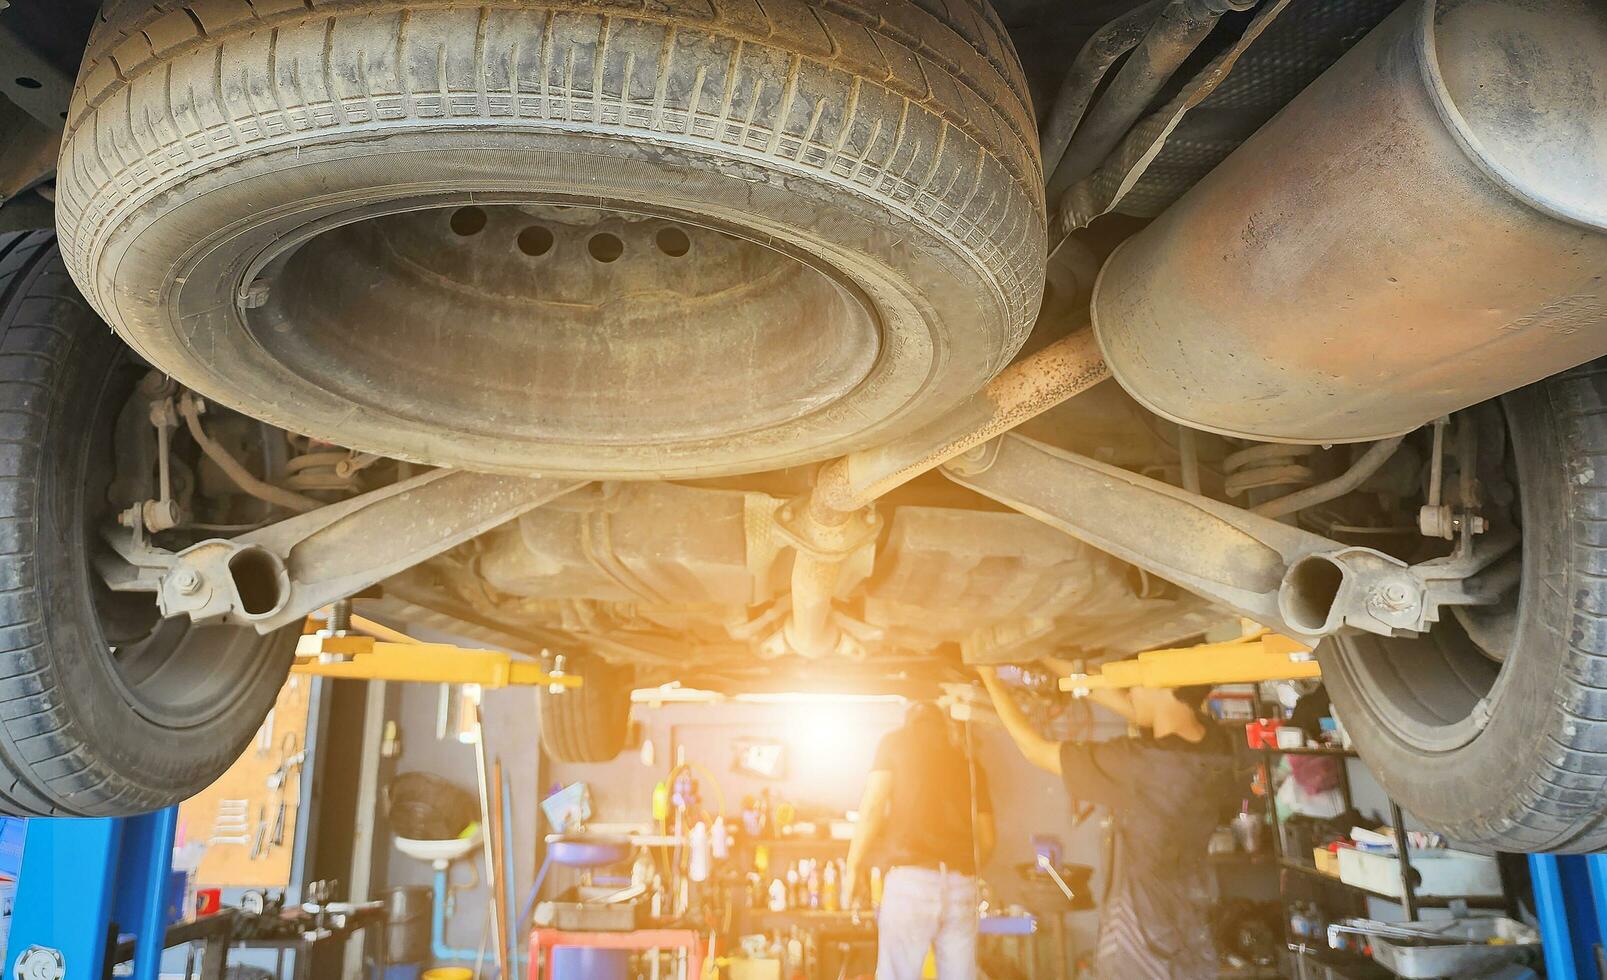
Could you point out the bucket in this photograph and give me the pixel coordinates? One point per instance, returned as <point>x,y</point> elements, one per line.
<point>407,924</point>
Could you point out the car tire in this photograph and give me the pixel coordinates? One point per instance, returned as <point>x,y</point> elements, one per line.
<point>1499,742</point>
<point>590,723</point>
<point>887,147</point>
<point>92,722</point>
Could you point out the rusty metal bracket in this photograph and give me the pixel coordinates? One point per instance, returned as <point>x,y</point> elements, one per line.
<point>1260,656</point>
<point>797,527</point>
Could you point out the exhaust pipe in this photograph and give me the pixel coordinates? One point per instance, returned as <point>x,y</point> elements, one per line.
<point>1422,229</point>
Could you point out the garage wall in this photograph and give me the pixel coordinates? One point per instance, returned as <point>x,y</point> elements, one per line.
<point>830,752</point>
<point>511,734</point>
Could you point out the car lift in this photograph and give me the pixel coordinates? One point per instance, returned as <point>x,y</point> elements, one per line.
<point>1260,655</point>
<point>1570,897</point>
<point>79,876</point>
<point>385,654</point>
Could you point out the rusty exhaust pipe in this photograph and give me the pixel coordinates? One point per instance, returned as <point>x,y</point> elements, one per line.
<point>849,485</point>
<point>1029,387</point>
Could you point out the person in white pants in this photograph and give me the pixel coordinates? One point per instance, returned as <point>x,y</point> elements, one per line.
<point>927,812</point>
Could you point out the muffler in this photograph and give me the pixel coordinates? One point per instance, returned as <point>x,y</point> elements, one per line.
<point>1423,228</point>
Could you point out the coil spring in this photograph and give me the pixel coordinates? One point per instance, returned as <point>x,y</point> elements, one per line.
<point>325,469</point>
<point>1268,465</point>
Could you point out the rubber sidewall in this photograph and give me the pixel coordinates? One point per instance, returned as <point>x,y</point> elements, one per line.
<point>85,749</point>
<point>1511,786</point>
<point>590,723</point>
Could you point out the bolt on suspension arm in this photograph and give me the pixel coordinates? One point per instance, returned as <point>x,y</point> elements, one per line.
<point>278,574</point>
<point>1292,580</point>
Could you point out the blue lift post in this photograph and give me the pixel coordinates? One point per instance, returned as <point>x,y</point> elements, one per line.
<point>1570,895</point>
<point>80,875</point>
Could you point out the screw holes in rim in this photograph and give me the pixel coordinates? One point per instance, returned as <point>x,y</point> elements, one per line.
<point>673,242</point>
<point>605,247</point>
<point>535,241</point>
<point>467,221</point>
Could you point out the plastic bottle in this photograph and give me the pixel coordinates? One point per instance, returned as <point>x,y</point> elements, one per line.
<point>719,840</point>
<point>642,870</point>
<point>697,849</point>
<point>778,895</point>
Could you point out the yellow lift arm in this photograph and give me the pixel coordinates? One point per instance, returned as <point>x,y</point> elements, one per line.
<point>1259,656</point>
<point>394,656</point>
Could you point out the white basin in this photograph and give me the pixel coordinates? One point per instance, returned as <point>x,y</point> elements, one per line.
<point>439,852</point>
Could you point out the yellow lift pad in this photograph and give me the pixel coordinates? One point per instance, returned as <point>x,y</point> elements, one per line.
<point>1259,656</point>
<point>399,657</point>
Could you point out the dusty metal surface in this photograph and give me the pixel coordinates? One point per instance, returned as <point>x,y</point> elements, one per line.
<point>1007,590</point>
<point>1289,55</point>
<point>1365,466</point>
<point>278,574</point>
<point>28,151</point>
<point>1420,230</point>
<point>847,487</point>
<point>610,318</point>
<point>692,574</point>
<point>1101,191</point>
<point>1174,35</point>
<point>1286,578</point>
<point>1026,388</point>
<point>651,544</point>
<point>824,553</point>
<point>1088,69</point>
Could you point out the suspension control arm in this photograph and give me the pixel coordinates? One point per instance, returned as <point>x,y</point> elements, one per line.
<point>278,574</point>
<point>1296,582</point>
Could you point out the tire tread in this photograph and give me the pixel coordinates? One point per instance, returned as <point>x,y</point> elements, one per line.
<point>47,333</point>
<point>157,101</point>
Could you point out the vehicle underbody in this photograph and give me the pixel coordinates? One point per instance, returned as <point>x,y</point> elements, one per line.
<point>856,348</point>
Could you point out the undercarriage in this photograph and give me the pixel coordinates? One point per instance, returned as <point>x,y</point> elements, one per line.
<point>828,345</point>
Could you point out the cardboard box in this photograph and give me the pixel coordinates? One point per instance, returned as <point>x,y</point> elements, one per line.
<point>1327,861</point>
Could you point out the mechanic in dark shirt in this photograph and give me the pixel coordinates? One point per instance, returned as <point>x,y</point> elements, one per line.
<point>926,811</point>
<point>1166,791</point>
